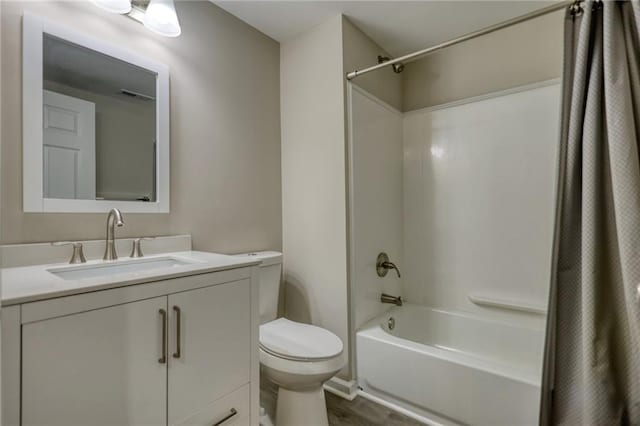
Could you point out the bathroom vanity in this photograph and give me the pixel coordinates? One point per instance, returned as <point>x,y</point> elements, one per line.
<point>168,339</point>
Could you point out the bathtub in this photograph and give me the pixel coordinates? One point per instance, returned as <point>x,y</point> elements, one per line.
<point>451,368</point>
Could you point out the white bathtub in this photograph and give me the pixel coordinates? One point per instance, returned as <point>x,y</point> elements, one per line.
<point>452,368</point>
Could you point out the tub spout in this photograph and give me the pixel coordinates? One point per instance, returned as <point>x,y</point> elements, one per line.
<point>387,298</point>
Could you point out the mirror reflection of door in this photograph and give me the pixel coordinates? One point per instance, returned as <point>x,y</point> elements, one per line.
<point>69,147</point>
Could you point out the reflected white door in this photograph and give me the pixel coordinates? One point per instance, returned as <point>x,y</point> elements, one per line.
<point>69,147</point>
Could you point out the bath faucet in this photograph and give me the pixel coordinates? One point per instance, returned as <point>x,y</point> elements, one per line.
<point>114,218</point>
<point>383,265</point>
<point>387,298</point>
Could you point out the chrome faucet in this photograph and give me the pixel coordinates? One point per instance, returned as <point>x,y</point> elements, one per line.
<point>387,298</point>
<point>114,218</point>
<point>383,265</point>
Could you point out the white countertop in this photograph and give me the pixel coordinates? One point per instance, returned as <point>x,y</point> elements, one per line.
<point>32,283</point>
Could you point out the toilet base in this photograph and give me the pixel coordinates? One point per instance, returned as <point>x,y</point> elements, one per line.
<point>301,407</point>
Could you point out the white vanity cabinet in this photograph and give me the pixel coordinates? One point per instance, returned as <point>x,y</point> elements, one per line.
<point>172,352</point>
<point>214,351</point>
<point>95,367</point>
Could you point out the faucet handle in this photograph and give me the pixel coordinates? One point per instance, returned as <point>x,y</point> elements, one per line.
<point>78,252</point>
<point>136,249</point>
<point>383,265</point>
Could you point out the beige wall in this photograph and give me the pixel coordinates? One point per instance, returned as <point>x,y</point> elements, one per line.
<point>522,54</point>
<point>359,52</point>
<point>225,129</point>
<point>313,178</point>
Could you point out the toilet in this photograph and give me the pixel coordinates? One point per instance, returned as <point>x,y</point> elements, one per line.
<point>297,357</point>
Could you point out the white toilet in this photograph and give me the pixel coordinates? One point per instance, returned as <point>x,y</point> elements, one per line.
<point>298,357</point>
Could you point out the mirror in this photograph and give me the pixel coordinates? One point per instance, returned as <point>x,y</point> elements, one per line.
<point>99,125</point>
<point>102,140</point>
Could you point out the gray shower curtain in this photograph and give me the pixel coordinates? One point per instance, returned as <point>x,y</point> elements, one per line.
<point>592,357</point>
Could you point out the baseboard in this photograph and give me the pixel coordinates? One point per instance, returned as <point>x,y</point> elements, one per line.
<point>342,388</point>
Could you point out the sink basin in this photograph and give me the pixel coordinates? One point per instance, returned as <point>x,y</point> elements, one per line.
<point>116,268</point>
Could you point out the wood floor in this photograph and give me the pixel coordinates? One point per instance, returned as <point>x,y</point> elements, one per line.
<point>362,412</point>
<point>359,412</point>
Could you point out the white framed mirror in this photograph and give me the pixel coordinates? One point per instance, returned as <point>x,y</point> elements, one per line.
<point>95,124</point>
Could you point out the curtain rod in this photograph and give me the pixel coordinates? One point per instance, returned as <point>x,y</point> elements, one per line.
<point>415,55</point>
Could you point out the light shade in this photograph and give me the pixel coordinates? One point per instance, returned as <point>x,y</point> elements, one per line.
<point>115,6</point>
<point>161,18</point>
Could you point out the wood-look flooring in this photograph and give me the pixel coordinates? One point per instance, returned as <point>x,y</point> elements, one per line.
<point>359,412</point>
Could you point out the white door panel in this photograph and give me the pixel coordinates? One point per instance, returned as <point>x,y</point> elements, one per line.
<point>60,172</point>
<point>69,147</point>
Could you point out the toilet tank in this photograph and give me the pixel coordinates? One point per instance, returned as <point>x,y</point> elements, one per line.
<point>269,290</point>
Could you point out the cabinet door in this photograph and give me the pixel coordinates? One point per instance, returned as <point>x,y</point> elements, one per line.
<point>100,367</point>
<point>214,356</point>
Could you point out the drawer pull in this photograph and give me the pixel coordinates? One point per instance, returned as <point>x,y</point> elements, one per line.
<point>163,317</point>
<point>232,413</point>
<point>178,351</point>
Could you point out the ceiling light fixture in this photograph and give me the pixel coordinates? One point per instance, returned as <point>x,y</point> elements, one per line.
<point>115,6</point>
<point>162,19</point>
<point>158,16</point>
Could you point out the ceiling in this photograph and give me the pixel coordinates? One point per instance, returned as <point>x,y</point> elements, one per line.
<point>399,27</point>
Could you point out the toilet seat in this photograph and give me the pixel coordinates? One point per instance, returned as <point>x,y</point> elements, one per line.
<point>299,373</point>
<point>295,341</point>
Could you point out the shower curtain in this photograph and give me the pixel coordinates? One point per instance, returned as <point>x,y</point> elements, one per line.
<point>592,357</point>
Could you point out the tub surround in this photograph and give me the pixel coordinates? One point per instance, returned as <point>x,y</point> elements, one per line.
<point>376,197</point>
<point>475,171</point>
<point>477,277</point>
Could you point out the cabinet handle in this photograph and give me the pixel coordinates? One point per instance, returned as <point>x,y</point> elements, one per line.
<point>178,351</point>
<point>163,316</point>
<point>232,413</point>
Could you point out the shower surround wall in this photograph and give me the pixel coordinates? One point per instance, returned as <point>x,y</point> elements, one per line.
<point>524,54</point>
<point>461,198</point>
<point>375,153</point>
<point>479,183</point>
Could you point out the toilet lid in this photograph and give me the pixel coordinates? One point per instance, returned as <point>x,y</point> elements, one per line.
<point>294,340</point>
